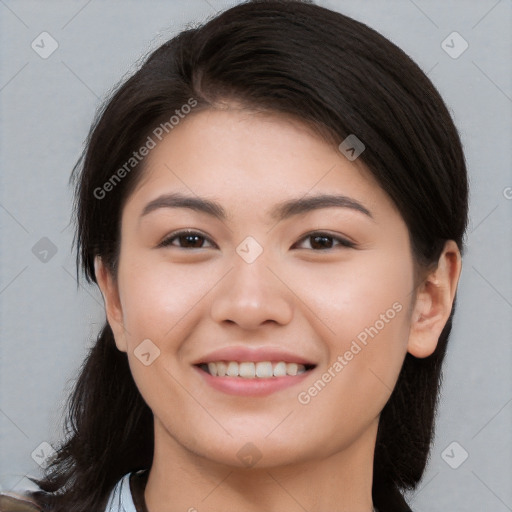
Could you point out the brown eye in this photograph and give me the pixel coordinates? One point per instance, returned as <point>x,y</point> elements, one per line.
<point>324,241</point>
<point>186,240</point>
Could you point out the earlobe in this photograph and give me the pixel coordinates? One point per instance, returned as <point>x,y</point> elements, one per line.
<point>434,302</point>
<point>112,302</point>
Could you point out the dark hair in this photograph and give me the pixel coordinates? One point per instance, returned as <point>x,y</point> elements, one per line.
<point>338,76</point>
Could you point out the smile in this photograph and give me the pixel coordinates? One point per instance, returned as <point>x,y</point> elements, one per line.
<point>254,370</point>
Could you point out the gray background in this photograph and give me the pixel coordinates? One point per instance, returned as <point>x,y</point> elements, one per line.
<point>47,324</point>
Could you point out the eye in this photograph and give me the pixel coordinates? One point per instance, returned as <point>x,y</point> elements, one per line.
<point>320,241</point>
<point>186,240</point>
<point>324,241</point>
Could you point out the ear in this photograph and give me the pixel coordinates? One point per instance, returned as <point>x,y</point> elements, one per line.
<point>434,301</point>
<point>112,302</point>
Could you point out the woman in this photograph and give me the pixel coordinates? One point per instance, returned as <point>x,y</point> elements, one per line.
<point>273,208</point>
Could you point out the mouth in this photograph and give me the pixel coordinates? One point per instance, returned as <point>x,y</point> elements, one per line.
<point>260,370</point>
<point>252,371</point>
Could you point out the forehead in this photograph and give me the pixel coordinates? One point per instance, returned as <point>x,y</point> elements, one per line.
<point>239,154</point>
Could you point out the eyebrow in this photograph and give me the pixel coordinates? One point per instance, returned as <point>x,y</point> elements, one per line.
<point>281,211</point>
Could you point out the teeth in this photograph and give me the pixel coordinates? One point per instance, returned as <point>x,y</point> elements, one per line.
<point>212,368</point>
<point>247,370</point>
<point>221,368</point>
<point>280,369</point>
<point>251,370</point>
<point>264,370</point>
<point>232,369</point>
<point>292,368</point>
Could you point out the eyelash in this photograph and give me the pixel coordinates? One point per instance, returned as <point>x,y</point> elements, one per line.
<point>342,241</point>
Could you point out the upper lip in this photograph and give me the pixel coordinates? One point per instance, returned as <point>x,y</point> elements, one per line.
<point>243,353</point>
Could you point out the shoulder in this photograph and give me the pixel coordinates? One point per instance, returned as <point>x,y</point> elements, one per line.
<point>10,502</point>
<point>121,499</point>
<point>15,493</point>
<point>128,493</point>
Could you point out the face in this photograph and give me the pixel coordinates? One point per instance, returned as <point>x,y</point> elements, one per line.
<point>307,308</point>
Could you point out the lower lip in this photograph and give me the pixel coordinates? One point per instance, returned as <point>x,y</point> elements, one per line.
<point>251,387</point>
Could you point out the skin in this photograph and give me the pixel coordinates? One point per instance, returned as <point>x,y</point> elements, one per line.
<point>310,301</point>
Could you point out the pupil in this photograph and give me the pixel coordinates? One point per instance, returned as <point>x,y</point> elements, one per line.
<point>323,244</point>
<point>191,238</point>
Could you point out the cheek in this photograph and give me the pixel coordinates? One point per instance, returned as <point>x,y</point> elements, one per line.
<point>158,305</point>
<point>348,297</point>
<point>363,307</point>
<point>156,296</point>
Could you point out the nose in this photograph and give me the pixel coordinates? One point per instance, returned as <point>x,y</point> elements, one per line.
<point>252,294</point>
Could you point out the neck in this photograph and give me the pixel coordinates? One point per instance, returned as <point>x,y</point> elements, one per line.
<point>180,480</point>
